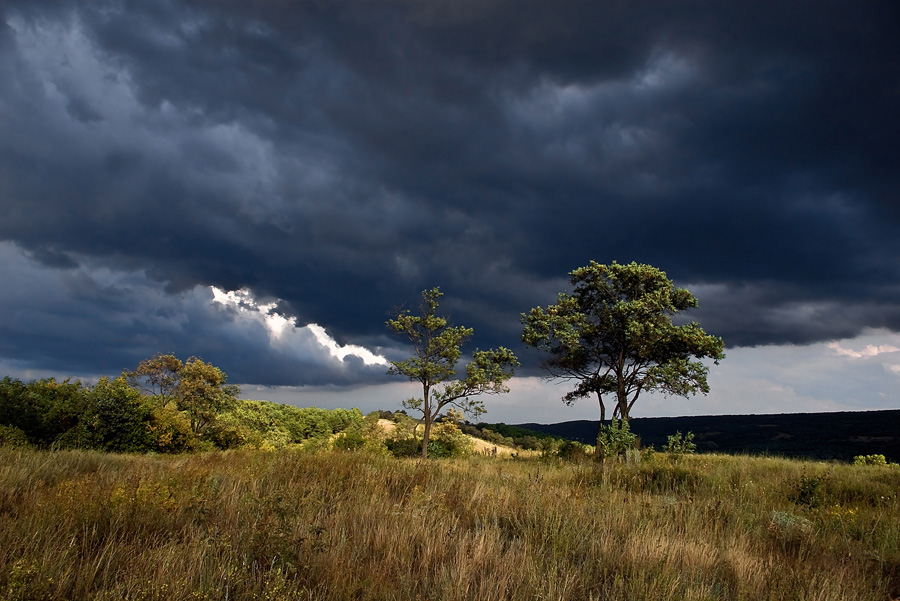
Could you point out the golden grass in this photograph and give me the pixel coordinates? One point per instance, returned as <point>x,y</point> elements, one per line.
<point>299,525</point>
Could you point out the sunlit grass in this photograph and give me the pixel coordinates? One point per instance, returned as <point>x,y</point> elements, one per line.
<point>332,525</point>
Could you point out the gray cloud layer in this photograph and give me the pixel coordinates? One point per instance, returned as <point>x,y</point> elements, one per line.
<point>344,155</point>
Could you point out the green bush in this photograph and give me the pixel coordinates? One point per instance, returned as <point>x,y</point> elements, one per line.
<point>808,491</point>
<point>404,447</point>
<point>171,431</point>
<point>350,440</point>
<point>615,440</point>
<point>11,436</point>
<point>571,450</point>
<point>678,444</point>
<point>870,460</point>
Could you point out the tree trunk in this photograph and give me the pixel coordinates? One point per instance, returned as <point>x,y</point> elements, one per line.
<point>602,408</point>
<point>426,405</point>
<point>622,402</point>
<point>426,436</point>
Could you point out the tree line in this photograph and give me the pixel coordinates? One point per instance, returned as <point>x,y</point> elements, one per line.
<point>165,405</point>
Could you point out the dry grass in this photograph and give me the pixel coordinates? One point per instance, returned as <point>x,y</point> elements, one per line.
<point>295,525</point>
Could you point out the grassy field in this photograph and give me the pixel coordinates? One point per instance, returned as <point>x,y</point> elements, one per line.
<point>343,525</point>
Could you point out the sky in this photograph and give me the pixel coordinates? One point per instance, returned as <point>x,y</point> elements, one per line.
<point>263,184</point>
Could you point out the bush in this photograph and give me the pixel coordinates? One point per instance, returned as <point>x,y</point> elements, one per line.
<point>404,447</point>
<point>615,440</point>
<point>446,440</point>
<point>571,450</point>
<point>10,436</point>
<point>871,460</point>
<point>678,445</point>
<point>350,440</point>
<point>170,430</point>
<point>808,491</point>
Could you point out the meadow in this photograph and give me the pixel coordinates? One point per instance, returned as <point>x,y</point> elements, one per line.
<point>295,524</point>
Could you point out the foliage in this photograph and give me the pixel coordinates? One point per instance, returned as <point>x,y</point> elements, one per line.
<point>436,351</point>
<point>615,439</point>
<point>163,406</point>
<point>678,444</point>
<point>511,436</point>
<point>808,491</point>
<point>203,394</point>
<point>366,435</point>
<point>118,418</point>
<point>614,335</point>
<point>447,440</point>
<point>351,440</point>
<point>158,377</point>
<point>571,450</point>
<point>403,447</point>
<point>871,460</point>
<point>11,436</point>
<point>198,388</point>
<point>170,429</point>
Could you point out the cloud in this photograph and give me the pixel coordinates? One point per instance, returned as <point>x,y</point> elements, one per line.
<point>342,160</point>
<point>96,321</point>
<point>869,351</point>
<point>283,331</point>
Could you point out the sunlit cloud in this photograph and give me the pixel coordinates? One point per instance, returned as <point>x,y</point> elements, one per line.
<point>367,356</point>
<point>281,328</point>
<point>870,350</point>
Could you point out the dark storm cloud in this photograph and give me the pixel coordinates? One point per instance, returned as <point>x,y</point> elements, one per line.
<point>344,155</point>
<point>92,321</point>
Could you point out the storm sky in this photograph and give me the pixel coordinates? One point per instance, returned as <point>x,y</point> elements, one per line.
<point>262,183</point>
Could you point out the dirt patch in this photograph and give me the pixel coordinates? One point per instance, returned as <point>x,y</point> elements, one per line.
<point>387,425</point>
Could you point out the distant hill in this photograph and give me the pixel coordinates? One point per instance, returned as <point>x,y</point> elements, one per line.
<point>840,435</point>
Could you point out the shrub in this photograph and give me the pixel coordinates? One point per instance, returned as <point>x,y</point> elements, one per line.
<point>350,440</point>
<point>870,460</point>
<point>789,527</point>
<point>678,445</point>
<point>808,491</point>
<point>454,443</point>
<point>403,447</point>
<point>11,436</point>
<point>571,450</point>
<point>170,430</point>
<point>615,439</point>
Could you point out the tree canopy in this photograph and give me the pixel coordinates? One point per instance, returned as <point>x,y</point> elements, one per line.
<point>436,350</point>
<point>614,335</point>
<point>198,388</point>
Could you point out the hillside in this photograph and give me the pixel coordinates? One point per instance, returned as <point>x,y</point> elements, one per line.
<point>329,525</point>
<point>840,435</point>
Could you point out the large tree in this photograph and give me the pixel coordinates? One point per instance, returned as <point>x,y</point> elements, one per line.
<point>614,336</point>
<point>436,350</point>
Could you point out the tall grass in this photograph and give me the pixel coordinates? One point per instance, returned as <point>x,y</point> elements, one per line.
<point>342,525</point>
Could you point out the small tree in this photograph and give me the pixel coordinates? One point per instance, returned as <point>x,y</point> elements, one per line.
<point>433,364</point>
<point>614,336</point>
<point>203,393</point>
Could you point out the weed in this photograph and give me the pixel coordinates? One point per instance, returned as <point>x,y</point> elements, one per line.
<point>808,491</point>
